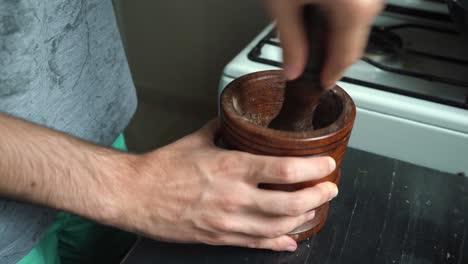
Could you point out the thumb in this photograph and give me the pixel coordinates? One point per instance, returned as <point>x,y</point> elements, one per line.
<point>208,133</point>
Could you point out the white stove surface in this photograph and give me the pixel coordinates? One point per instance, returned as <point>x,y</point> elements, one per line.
<point>407,128</point>
<point>419,39</point>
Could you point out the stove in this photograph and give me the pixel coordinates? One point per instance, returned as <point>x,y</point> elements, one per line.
<point>410,87</point>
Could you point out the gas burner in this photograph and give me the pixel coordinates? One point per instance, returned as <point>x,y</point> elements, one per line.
<point>424,8</point>
<point>414,50</point>
<point>403,56</point>
<point>383,44</point>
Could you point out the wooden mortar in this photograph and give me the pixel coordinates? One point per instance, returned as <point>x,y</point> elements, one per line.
<point>249,103</point>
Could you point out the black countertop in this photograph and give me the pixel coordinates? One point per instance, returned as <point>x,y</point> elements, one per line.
<point>387,211</point>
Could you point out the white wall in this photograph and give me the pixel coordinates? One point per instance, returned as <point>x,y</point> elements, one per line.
<point>177,50</point>
<point>180,46</point>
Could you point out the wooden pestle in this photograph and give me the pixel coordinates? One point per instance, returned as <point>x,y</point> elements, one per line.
<point>302,95</point>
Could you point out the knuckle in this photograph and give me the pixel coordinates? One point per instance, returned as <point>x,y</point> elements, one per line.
<point>287,170</point>
<point>226,162</point>
<point>278,231</point>
<point>229,203</point>
<point>201,223</point>
<point>231,163</point>
<point>222,240</point>
<point>206,222</point>
<point>275,245</point>
<point>301,220</point>
<point>296,206</point>
<point>323,192</point>
<point>219,224</point>
<point>214,239</point>
<point>252,244</point>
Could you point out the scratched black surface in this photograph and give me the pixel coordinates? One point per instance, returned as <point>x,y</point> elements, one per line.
<point>388,211</point>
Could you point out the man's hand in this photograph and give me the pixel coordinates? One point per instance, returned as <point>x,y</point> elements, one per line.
<point>189,191</point>
<point>192,191</point>
<point>348,28</point>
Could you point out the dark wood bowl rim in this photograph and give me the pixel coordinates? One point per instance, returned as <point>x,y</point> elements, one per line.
<point>343,122</point>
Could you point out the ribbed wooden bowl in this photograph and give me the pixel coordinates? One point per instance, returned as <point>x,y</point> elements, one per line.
<point>249,103</point>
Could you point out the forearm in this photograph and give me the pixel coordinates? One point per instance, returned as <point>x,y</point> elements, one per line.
<point>47,167</point>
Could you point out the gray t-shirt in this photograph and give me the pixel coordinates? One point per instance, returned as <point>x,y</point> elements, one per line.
<point>62,65</point>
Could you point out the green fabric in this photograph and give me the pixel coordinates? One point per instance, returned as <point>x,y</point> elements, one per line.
<point>46,250</point>
<point>72,239</point>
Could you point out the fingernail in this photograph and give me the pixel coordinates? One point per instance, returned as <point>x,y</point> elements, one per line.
<point>310,215</point>
<point>331,164</point>
<point>291,248</point>
<point>333,193</point>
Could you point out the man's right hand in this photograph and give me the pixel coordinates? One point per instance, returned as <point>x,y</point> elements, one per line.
<point>192,191</point>
<point>349,22</point>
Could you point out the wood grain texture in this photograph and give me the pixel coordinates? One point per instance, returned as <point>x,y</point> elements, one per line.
<point>250,102</point>
<point>387,212</point>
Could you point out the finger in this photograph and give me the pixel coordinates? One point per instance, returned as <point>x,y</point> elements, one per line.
<point>292,37</point>
<point>294,203</point>
<point>210,129</point>
<point>282,243</point>
<point>347,38</point>
<point>282,170</point>
<point>345,48</point>
<point>207,134</point>
<point>268,226</point>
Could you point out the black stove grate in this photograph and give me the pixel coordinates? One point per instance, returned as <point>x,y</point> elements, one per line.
<point>418,12</point>
<point>270,39</point>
